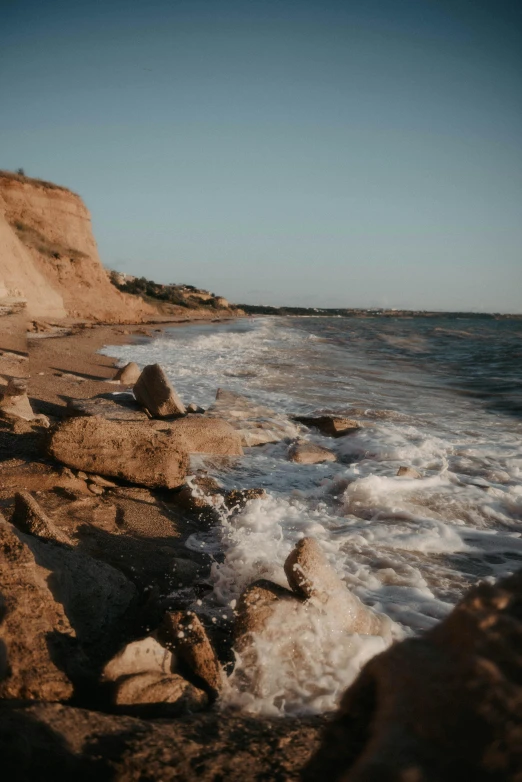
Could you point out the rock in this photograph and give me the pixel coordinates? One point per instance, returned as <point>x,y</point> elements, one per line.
<point>445,706</point>
<point>199,434</point>
<point>43,742</point>
<point>311,576</point>
<point>95,489</point>
<point>194,408</point>
<point>237,499</point>
<point>130,451</point>
<point>128,375</point>
<point>154,391</point>
<point>35,635</point>
<point>28,517</point>
<point>201,493</point>
<point>14,402</point>
<point>143,656</point>
<point>329,425</point>
<point>408,472</point>
<point>262,604</point>
<point>99,481</point>
<point>95,595</point>
<point>113,407</point>
<point>184,633</point>
<point>172,693</point>
<point>256,424</point>
<point>304,452</point>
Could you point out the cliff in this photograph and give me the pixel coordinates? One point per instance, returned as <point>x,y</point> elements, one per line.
<point>48,256</point>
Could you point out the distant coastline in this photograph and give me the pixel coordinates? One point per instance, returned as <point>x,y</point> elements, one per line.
<point>325,312</point>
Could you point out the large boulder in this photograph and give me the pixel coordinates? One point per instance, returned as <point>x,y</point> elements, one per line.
<point>36,638</point>
<point>154,391</point>
<point>133,452</point>
<point>305,452</point>
<point>446,706</point>
<point>199,434</point>
<point>256,424</point>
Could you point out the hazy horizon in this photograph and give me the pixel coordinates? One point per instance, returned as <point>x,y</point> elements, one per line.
<point>354,154</point>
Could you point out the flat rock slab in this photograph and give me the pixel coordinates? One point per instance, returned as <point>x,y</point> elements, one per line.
<point>329,425</point>
<point>131,451</point>
<point>154,391</point>
<point>169,694</point>
<point>113,407</point>
<point>200,434</point>
<point>256,424</point>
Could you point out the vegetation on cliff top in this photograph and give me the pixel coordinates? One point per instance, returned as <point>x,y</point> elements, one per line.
<point>187,296</point>
<point>20,176</point>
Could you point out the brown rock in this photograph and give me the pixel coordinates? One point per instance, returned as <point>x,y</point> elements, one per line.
<point>28,517</point>
<point>35,634</point>
<point>304,452</point>
<point>143,656</point>
<point>259,605</point>
<point>237,499</point>
<point>408,472</point>
<point>194,408</point>
<point>199,434</point>
<point>128,375</point>
<point>113,407</point>
<point>184,633</point>
<point>65,743</point>
<point>14,402</point>
<point>131,451</point>
<point>311,576</point>
<point>329,425</point>
<point>446,706</point>
<point>171,693</point>
<point>154,391</point>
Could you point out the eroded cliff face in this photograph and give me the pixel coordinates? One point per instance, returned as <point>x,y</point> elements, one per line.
<point>49,257</point>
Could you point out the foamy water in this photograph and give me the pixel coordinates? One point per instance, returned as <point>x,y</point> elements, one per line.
<point>441,395</point>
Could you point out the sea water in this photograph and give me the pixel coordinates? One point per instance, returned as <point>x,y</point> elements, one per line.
<point>440,394</point>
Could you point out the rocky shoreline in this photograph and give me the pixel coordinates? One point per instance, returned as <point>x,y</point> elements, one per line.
<point>107,668</point>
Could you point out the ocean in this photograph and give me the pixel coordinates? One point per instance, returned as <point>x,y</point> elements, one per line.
<point>440,394</point>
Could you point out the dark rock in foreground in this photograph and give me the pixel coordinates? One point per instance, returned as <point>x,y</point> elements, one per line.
<point>447,706</point>
<point>54,742</point>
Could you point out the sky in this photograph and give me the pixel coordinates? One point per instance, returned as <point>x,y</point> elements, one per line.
<point>363,153</point>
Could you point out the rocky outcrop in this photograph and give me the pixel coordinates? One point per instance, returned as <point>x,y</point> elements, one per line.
<point>131,451</point>
<point>304,452</point>
<point>408,472</point>
<point>36,637</point>
<point>154,391</point>
<point>256,424</point>
<point>48,255</point>
<point>446,706</point>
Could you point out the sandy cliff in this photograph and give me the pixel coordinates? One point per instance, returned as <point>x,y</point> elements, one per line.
<point>49,257</point>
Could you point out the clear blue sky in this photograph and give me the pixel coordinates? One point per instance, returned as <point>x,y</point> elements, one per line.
<point>364,153</point>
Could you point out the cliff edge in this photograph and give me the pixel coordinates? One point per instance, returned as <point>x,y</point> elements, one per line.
<point>49,258</point>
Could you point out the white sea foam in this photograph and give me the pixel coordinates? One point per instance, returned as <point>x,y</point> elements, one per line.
<point>407,547</point>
